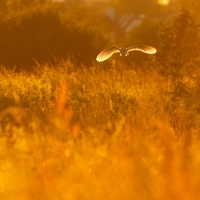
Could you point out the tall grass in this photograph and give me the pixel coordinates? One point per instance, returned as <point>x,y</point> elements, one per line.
<point>104,132</point>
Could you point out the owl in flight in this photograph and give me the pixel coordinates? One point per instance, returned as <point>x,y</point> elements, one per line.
<point>107,53</point>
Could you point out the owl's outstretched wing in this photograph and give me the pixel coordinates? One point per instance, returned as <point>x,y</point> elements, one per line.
<point>107,53</point>
<point>143,48</point>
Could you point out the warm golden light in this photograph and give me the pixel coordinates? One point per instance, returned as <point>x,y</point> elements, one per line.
<point>163,2</point>
<point>2,187</point>
<point>72,127</point>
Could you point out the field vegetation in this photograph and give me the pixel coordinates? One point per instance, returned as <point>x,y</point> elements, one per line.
<point>72,128</point>
<point>93,134</point>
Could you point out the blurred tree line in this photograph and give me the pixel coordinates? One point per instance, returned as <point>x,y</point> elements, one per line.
<point>179,45</point>
<point>43,30</point>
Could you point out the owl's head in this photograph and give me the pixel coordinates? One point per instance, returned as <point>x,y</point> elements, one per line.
<point>123,51</point>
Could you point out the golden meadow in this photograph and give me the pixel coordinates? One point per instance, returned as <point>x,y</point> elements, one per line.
<point>94,134</point>
<point>113,130</point>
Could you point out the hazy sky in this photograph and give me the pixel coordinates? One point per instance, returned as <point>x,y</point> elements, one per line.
<point>59,0</point>
<point>164,2</point>
<point>84,0</point>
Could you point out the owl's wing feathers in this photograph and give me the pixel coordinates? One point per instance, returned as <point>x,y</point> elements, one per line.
<point>107,53</point>
<point>143,48</point>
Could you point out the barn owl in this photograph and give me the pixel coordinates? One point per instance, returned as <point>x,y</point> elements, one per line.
<point>107,53</point>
